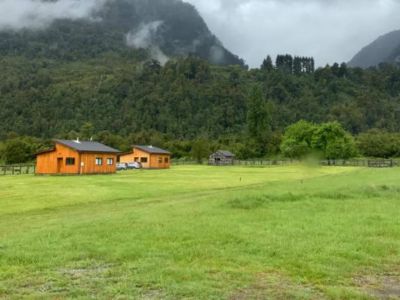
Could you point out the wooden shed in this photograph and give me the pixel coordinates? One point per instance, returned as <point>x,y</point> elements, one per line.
<point>222,158</point>
<point>76,158</point>
<point>150,157</point>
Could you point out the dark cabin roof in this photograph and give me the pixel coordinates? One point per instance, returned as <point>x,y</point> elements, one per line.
<point>87,146</point>
<point>152,149</point>
<point>225,153</point>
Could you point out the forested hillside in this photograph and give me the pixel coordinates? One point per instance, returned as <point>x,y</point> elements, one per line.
<point>167,28</point>
<point>122,99</point>
<point>151,72</point>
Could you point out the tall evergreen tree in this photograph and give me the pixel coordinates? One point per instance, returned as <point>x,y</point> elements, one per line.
<point>297,65</point>
<point>285,63</point>
<point>312,64</point>
<point>258,120</point>
<point>267,64</point>
<point>343,70</point>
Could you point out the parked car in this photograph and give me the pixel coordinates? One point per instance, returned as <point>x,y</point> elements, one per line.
<point>134,165</point>
<point>122,167</point>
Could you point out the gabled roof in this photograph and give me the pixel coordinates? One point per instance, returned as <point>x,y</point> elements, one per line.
<point>87,146</point>
<point>151,149</point>
<point>226,153</point>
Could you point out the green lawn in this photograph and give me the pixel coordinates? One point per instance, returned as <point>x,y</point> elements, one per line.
<point>202,233</point>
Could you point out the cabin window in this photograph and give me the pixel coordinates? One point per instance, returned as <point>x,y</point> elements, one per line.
<point>110,161</point>
<point>70,161</point>
<point>99,161</point>
<point>143,159</point>
<point>166,160</point>
<point>136,159</point>
<point>160,160</point>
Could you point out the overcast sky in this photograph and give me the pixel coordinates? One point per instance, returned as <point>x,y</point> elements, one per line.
<point>35,14</point>
<point>329,30</point>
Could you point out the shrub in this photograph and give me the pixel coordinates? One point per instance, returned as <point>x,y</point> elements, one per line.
<point>330,140</point>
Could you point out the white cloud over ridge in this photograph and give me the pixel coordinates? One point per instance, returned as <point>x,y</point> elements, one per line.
<point>144,37</point>
<point>329,30</point>
<point>36,14</point>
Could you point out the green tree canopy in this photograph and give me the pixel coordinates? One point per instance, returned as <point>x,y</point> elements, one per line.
<point>21,149</point>
<point>328,140</point>
<point>379,143</point>
<point>297,140</point>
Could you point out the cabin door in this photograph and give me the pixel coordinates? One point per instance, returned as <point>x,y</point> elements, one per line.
<point>59,164</point>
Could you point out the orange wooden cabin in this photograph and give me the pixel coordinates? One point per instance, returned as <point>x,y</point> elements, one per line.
<point>150,157</point>
<point>76,158</point>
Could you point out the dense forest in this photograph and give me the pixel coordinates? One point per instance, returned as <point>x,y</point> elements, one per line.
<point>189,105</point>
<point>151,72</point>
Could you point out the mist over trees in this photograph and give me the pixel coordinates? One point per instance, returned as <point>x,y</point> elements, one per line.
<point>385,49</point>
<point>74,30</point>
<point>79,78</point>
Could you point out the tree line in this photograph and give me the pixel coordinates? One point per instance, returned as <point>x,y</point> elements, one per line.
<point>289,64</point>
<point>192,107</point>
<point>299,141</point>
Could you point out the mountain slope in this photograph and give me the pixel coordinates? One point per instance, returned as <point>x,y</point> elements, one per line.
<point>166,28</point>
<point>386,49</point>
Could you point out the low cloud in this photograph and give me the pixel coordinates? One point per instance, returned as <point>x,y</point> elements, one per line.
<point>331,31</point>
<point>146,37</point>
<point>37,14</point>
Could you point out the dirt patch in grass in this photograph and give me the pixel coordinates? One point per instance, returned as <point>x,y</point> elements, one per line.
<point>91,271</point>
<point>276,286</point>
<point>80,278</point>
<point>380,286</point>
<point>153,295</point>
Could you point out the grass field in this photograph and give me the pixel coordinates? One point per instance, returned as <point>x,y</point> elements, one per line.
<point>202,233</point>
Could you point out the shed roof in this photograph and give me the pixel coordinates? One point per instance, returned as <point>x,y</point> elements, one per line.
<point>151,149</point>
<point>87,146</point>
<point>225,153</point>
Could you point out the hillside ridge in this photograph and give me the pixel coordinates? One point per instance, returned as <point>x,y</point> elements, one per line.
<point>385,49</point>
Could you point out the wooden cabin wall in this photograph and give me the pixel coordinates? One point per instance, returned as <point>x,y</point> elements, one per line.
<point>47,163</point>
<point>90,167</point>
<point>127,158</point>
<point>136,156</point>
<point>153,160</point>
<point>157,161</point>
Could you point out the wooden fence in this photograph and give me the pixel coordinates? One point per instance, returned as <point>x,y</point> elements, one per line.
<point>264,162</point>
<point>17,170</point>
<point>368,163</point>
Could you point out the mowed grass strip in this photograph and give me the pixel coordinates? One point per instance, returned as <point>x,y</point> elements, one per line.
<point>202,233</point>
